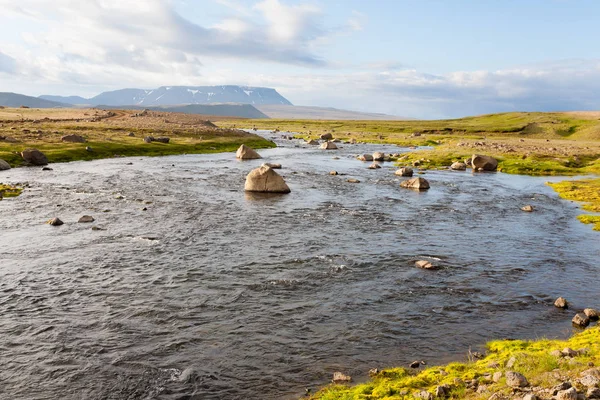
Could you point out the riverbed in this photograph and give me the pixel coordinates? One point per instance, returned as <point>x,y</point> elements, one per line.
<point>189,288</point>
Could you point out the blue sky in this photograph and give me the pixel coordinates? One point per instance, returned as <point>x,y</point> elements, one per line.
<point>415,58</point>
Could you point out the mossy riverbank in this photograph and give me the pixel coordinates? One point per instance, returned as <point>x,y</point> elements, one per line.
<point>544,363</point>
<point>586,191</point>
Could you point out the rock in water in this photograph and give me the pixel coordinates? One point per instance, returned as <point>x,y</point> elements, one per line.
<point>4,165</point>
<point>55,222</point>
<point>424,264</point>
<point>339,377</point>
<point>86,219</point>
<point>352,180</point>
<point>265,180</point>
<point>34,157</point>
<point>333,173</point>
<point>581,320</point>
<point>458,166</point>
<point>272,165</point>
<point>416,183</point>
<point>515,380</point>
<point>592,314</point>
<point>246,153</point>
<point>73,139</point>
<point>328,146</point>
<point>326,136</point>
<point>374,166</point>
<point>405,171</point>
<point>365,157</point>
<point>313,142</point>
<point>561,302</point>
<point>527,208</point>
<point>378,156</point>
<point>484,163</point>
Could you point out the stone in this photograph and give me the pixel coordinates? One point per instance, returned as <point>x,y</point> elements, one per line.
<point>484,163</point>
<point>593,393</point>
<point>131,134</point>
<point>328,146</point>
<point>4,165</point>
<point>511,362</point>
<point>162,139</point>
<point>149,139</point>
<point>497,376</point>
<point>326,136</point>
<point>34,157</point>
<point>527,208</point>
<point>333,173</point>
<point>416,364</point>
<point>569,394</point>
<point>86,219</point>
<point>592,314</point>
<point>442,391</point>
<point>569,352</point>
<point>374,166</point>
<point>313,142</point>
<point>88,148</point>
<point>530,396</point>
<point>265,180</point>
<point>246,153</point>
<point>590,381</point>
<point>73,139</point>
<point>352,180</point>
<point>515,379</point>
<point>272,165</point>
<point>458,166</point>
<point>55,222</point>
<point>581,320</point>
<point>365,157</point>
<point>47,169</point>
<point>424,395</point>
<point>339,377</point>
<point>561,302</point>
<point>378,156</point>
<point>415,183</point>
<point>405,171</point>
<point>425,264</point>
<point>352,141</point>
<point>556,353</point>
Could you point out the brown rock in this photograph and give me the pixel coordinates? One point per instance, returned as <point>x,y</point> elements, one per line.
<point>352,180</point>
<point>86,219</point>
<point>265,180</point>
<point>527,208</point>
<point>378,156</point>
<point>272,165</point>
<point>365,157</point>
<point>339,377</point>
<point>458,166</point>
<point>405,171</point>
<point>55,222</point>
<point>326,136</point>
<point>333,173</point>
<point>4,165</point>
<point>246,153</point>
<point>34,157</point>
<point>515,380</point>
<point>484,163</point>
<point>162,139</point>
<point>374,166</point>
<point>592,314</point>
<point>328,146</point>
<point>561,302</point>
<point>416,184</point>
<point>424,264</point>
<point>73,139</point>
<point>581,320</point>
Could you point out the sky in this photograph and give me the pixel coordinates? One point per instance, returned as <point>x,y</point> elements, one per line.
<point>412,58</point>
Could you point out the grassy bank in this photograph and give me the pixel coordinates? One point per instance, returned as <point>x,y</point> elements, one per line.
<point>586,191</point>
<point>540,361</point>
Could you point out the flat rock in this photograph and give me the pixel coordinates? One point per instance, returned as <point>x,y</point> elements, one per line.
<point>265,180</point>
<point>162,139</point>
<point>246,153</point>
<point>352,180</point>
<point>374,166</point>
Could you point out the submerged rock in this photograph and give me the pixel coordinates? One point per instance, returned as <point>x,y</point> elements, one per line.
<point>34,157</point>
<point>425,264</point>
<point>527,208</point>
<point>265,180</point>
<point>416,184</point>
<point>246,153</point>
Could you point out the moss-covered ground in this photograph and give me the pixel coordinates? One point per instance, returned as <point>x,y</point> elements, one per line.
<point>9,191</point>
<point>586,191</point>
<point>537,360</point>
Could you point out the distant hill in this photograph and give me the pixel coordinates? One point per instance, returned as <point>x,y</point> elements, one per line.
<point>224,110</point>
<point>17,100</point>
<point>179,95</point>
<point>306,112</point>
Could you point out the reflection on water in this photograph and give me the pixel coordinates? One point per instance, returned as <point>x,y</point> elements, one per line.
<point>211,292</point>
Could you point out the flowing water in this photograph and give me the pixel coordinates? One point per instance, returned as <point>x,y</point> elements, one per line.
<point>211,293</point>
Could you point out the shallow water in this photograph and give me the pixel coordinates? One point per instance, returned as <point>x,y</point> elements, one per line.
<point>215,294</point>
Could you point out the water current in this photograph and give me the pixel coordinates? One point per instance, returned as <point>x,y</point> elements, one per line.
<point>192,289</point>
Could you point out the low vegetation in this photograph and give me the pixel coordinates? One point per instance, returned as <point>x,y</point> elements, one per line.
<point>544,363</point>
<point>9,191</point>
<point>586,191</point>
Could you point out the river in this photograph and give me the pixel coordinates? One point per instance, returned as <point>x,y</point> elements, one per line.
<point>193,289</point>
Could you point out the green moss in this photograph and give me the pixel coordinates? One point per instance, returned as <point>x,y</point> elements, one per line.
<point>9,191</point>
<point>532,359</point>
<point>586,191</point>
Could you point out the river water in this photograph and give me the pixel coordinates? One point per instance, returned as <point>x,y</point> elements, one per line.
<point>211,293</point>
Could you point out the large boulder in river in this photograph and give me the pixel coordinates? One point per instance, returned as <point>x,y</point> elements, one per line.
<point>73,139</point>
<point>415,183</point>
<point>265,180</point>
<point>34,157</point>
<point>328,146</point>
<point>404,171</point>
<point>483,163</point>
<point>246,153</point>
<point>378,156</point>
<point>326,136</point>
<point>4,165</point>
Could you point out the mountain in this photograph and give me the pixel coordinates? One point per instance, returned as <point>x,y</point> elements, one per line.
<point>306,112</point>
<point>78,100</point>
<point>221,110</point>
<point>177,95</point>
<point>18,100</point>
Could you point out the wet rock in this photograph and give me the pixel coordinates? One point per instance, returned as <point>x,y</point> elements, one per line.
<point>149,139</point>
<point>246,153</point>
<point>416,184</point>
<point>569,394</point>
<point>333,173</point>
<point>328,146</point>
<point>265,180</point>
<point>561,302</point>
<point>313,142</point>
<point>484,163</point>
<point>374,372</point>
<point>425,264</point>
<point>352,180</point>
<point>339,377</point>
<point>527,208</point>
<point>162,139</point>
<point>4,165</point>
<point>55,222</point>
<point>272,165</point>
<point>581,320</point>
<point>416,364</point>
<point>374,166</point>
<point>592,314</point>
<point>365,157</point>
<point>34,157</point>
<point>73,139</point>
<point>458,166</point>
<point>187,375</point>
<point>378,156</point>
<point>86,219</point>
<point>405,171</point>
<point>326,136</point>
<point>47,169</point>
<point>515,379</point>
